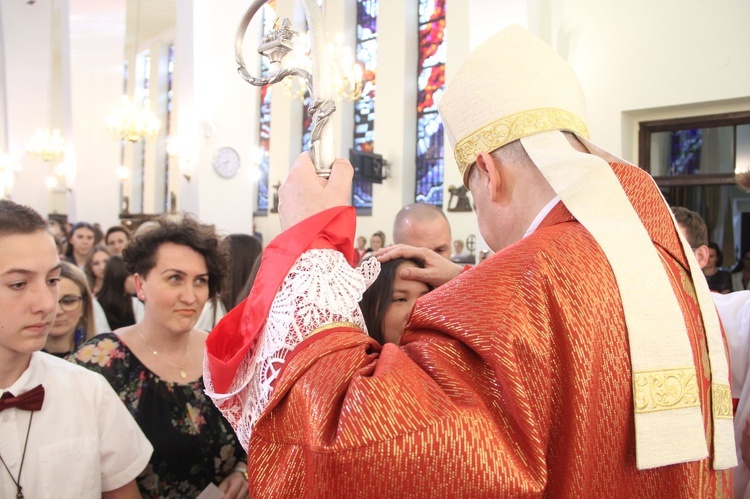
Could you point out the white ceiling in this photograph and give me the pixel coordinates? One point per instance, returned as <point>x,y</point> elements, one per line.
<point>148,18</point>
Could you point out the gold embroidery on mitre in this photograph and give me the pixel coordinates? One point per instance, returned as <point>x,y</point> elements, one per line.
<point>665,390</point>
<point>335,325</point>
<point>514,127</point>
<point>722,401</point>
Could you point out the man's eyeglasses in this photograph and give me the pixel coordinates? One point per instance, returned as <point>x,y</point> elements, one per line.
<point>70,303</point>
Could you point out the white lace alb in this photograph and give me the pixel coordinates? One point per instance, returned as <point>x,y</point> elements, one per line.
<point>321,288</point>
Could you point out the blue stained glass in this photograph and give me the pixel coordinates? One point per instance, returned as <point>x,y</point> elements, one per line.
<point>685,152</point>
<point>430,84</point>
<point>430,159</point>
<point>364,108</point>
<point>367,19</point>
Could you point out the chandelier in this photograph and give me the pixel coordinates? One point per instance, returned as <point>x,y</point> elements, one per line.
<point>7,169</point>
<point>346,77</point>
<point>45,144</point>
<point>132,122</point>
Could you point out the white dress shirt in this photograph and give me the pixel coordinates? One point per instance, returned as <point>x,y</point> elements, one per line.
<point>82,442</point>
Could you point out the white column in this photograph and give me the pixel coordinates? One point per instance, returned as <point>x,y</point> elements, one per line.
<point>94,80</point>
<point>26,51</point>
<point>215,108</point>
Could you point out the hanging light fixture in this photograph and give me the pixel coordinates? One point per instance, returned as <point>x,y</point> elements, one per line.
<point>346,77</point>
<point>46,144</point>
<point>7,169</point>
<point>131,121</point>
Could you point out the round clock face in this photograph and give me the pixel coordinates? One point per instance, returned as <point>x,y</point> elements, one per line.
<point>226,162</point>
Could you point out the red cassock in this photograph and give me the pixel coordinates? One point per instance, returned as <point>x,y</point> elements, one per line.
<point>512,380</point>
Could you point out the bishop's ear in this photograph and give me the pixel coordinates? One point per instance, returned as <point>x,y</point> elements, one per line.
<point>489,173</point>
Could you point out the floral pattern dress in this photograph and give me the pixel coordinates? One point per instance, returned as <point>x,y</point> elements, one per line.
<point>193,443</point>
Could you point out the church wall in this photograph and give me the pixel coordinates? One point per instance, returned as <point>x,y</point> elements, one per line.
<point>637,60</point>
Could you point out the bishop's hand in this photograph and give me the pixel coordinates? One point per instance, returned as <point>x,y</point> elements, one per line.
<point>304,193</point>
<point>436,272</point>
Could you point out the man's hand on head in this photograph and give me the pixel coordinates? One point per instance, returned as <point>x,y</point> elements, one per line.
<point>305,194</point>
<point>437,269</point>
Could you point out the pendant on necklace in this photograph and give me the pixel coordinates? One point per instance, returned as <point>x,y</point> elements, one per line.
<point>19,495</point>
<point>183,374</point>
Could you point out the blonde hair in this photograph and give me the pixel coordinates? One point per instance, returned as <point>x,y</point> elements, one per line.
<point>87,323</point>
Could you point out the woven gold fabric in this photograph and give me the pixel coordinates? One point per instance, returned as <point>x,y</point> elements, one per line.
<point>522,390</point>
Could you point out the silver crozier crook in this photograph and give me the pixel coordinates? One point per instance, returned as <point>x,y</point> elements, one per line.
<point>275,45</point>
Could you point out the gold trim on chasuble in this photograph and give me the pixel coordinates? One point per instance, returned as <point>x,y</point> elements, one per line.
<point>333,325</point>
<point>513,127</point>
<point>665,390</point>
<point>722,405</point>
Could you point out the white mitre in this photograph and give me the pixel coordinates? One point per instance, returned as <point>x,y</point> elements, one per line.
<point>516,87</point>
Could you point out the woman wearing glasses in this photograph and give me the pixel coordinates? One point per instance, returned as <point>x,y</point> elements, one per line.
<point>74,322</point>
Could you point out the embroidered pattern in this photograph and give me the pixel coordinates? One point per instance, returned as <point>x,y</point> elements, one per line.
<point>665,390</point>
<point>513,127</point>
<point>722,401</point>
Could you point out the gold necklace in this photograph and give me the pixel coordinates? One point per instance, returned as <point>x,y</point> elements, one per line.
<point>183,373</point>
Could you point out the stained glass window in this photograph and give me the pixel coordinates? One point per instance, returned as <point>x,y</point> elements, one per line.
<point>145,104</point>
<point>264,130</point>
<point>366,53</point>
<point>685,151</point>
<point>430,83</point>
<point>170,75</point>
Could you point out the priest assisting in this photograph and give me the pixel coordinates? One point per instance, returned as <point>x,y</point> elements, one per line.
<point>584,358</point>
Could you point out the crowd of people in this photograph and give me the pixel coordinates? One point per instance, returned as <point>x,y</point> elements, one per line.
<point>169,362</point>
<point>127,307</point>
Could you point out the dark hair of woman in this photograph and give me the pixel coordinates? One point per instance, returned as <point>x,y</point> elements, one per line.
<point>116,302</point>
<point>117,228</point>
<point>140,253</point>
<point>78,225</point>
<point>719,254</point>
<point>740,265</point>
<point>243,250</point>
<point>245,291</point>
<point>378,296</point>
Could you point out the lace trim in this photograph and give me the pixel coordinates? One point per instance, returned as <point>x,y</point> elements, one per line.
<point>321,288</point>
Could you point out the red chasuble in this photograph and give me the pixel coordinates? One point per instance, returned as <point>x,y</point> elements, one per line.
<point>512,380</point>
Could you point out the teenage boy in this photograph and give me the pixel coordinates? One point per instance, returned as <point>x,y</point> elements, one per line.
<point>63,430</point>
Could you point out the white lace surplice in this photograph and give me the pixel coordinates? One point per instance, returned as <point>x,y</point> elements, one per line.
<point>321,288</point>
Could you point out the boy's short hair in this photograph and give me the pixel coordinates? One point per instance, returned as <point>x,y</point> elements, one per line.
<point>695,227</point>
<point>19,219</point>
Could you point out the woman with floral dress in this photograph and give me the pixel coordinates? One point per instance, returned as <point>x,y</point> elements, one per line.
<point>156,365</point>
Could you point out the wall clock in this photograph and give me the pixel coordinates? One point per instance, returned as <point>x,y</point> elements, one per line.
<point>226,162</point>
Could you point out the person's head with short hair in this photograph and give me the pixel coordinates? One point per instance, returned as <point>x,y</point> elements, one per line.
<point>116,239</point>
<point>458,246</point>
<point>377,240</point>
<point>29,276</point>
<point>425,226</point>
<point>141,254</point>
<point>387,303</point>
<point>694,230</point>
